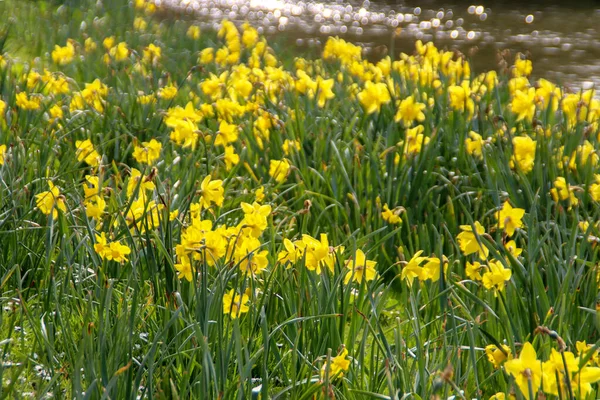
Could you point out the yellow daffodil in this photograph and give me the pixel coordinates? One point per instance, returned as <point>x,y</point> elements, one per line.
<point>279,170</point>
<point>473,270</point>
<point>255,218</point>
<point>523,104</point>
<point>510,218</point>
<point>469,242</point>
<point>523,153</point>
<point>360,268</point>
<point>410,111</point>
<point>318,253</point>
<point>413,268</point>
<point>184,269</point>
<point>432,270</point>
<point>167,93</point>
<point>51,201</point>
<point>474,144</point>
<point>496,276</point>
<point>230,157</point>
<point>148,152</point>
<point>193,32</point>
<point>292,252</point>
<point>337,366</point>
<point>212,192</point>
<point>563,191</point>
<point>511,247</point>
<point>497,355</point>
<point>391,216</point>
<point>526,370</point>
<point>373,96</point>
<point>136,179</point>
<point>227,133</point>
<point>235,304</point>
<point>63,55</point>
<point>25,102</point>
<point>111,251</point>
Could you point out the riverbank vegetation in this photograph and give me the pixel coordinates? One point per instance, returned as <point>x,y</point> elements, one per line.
<point>196,214</point>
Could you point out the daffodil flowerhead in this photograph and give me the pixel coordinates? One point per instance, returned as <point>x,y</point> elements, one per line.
<point>230,157</point>
<point>184,269</point>
<point>292,252</point>
<point>235,304</point>
<point>413,268</point>
<point>227,133</point>
<point>115,250</point>
<point>523,153</point>
<point>26,102</point>
<point>2,153</point>
<point>206,56</point>
<point>523,67</point>
<point>523,104</point>
<point>526,370</point>
<point>94,207</point>
<point>373,96</point>
<point>474,144</point>
<point>89,45</point>
<point>360,268</point>
<point>290,146</point>
<point>410,111</point>
<point>255,218</point>
<point>473,270</point>
<point>565,366</point>
<point>319,253</point>
<point>86,152</point>
<point>391,216</point>
<point>497,355</point>
<point>148,152</point>
<point>63,55</point>
<point>143,213</point>
<point>469,240</point>
<point>337,366</point>
<point>510,218</point>
<point>563,191</point>
<point>259,194</point>
<point>193,32</point>
<point>548,94</point>
<point>120,52</point>
<point>51,201</point>
<point>512,248</point>
<point>212,192</point>
<point>583,349</point>
<point>325,92</point>
<point>167,93</point>
<point>496,276</point>
<point>279,170</point>
<point>433,268</point>
<point>584,379</point>
<point>555,371</point>
<point>141,183</point>
<point>152,54</point>
<point>346,52</point>
<point>460,97</point>
<point>415,140</point>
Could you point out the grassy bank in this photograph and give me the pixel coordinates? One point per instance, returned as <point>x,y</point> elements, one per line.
<point>188,214</point>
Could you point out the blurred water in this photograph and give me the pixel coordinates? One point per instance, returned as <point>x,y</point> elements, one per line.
<point>562,39</point>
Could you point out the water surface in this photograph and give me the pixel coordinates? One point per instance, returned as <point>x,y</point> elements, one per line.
<point>562,38</point>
